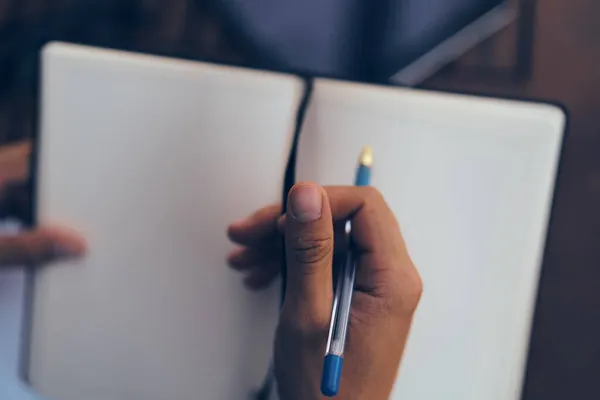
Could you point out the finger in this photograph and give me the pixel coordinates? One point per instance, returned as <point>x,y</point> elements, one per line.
<point>309,252</point>
<point>245,258</point>
<point>256,229</point>
<point>373,222</point>
<point>384,267</point>
<point>14,162</point>
<point>42,246</point>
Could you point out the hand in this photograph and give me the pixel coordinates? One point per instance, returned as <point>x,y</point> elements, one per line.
<point>36,247</point>
<point>387,289</point>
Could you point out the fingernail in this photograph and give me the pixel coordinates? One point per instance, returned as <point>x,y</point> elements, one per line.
<point>306,202</point>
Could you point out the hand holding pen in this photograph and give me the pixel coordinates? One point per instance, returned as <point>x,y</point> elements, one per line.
<point>386,291</point>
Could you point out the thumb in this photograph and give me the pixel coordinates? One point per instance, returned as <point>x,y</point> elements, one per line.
<point>309,251</point>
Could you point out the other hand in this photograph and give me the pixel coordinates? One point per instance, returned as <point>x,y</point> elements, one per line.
<point>386,295</point>
<point>39,246</point>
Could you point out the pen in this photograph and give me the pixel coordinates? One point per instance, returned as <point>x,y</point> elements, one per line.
<point>338,328</point>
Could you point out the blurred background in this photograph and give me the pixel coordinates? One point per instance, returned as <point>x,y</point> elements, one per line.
<point>546,49</point>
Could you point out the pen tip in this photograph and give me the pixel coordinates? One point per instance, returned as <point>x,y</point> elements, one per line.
<point>366,157</point>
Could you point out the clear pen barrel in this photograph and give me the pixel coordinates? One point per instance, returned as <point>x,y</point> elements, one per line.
<point>341,306</point>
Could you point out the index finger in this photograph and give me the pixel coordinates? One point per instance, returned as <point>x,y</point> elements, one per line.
<point>385,269</point>
<point>374,226</point>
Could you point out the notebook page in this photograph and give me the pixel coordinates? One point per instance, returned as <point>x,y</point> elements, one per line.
<point>470,181</point>
<point>151,159</point>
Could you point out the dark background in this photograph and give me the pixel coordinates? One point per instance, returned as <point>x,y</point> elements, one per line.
<point>565,349</point>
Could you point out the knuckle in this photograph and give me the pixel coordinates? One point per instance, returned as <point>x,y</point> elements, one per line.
<point>407,299</point>
<point>373,195</point>
<point>308,249</point>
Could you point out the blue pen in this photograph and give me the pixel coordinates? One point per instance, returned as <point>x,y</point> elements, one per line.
<point>340,314</point>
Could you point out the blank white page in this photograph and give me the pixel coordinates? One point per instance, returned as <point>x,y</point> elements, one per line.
<point>471,182</point>
<point>151,158</point>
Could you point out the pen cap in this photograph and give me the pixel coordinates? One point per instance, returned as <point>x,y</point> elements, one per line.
<point>332,372</point>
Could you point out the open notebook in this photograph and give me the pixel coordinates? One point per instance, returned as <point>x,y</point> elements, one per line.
<point>151,158</point>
